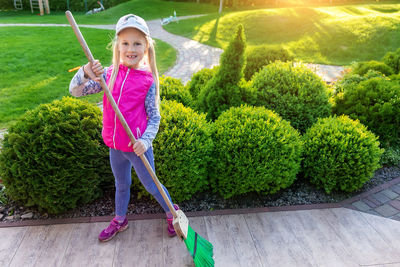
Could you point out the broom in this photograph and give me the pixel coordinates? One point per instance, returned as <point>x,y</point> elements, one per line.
<point>200,249</point>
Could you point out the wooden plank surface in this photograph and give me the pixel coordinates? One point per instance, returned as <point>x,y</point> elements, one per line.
<point>318,239</point>
<point>275,240</point>
<point>388,229</point>
<point>140,245</point>
<point>55,245</point>
<point>10,240</point>
<point>233,244</point>
<point>362,241</point>
<point>84,248</point>
<point>32,246</point>
<point>322,238</point>
<point>175,251</point>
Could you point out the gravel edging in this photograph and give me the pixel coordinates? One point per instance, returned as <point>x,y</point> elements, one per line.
<point>301,195</point>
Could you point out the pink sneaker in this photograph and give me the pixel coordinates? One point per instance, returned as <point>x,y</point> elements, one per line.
<point>170,228</point>
<point>113,229</point>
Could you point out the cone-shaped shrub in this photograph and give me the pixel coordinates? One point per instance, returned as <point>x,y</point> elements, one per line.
<point>182,150</point>
<point>223,90</point>
<point>255,151</point>
<point>340,154</point>
<point>294,92</point>
<point>54,158</point>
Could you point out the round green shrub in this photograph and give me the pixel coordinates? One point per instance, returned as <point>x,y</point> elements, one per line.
<point>294,92</point>
<point>340,154</point>
<point>261,56</point>
<point>255,151</point>
<point>351,80</point>
<point>362,68</point>
<point>182,150</point>
<point>173,89</point>
<point>392,59</point>
<point>54,158</point>
<point>376,104</point>
<point>200,79</point>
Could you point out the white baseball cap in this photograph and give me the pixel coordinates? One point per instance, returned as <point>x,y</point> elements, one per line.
<point>132,21</point>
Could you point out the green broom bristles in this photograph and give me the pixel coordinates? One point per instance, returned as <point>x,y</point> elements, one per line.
<point>200,249</point>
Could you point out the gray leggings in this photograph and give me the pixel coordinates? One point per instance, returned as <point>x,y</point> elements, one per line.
<point>121,165</point>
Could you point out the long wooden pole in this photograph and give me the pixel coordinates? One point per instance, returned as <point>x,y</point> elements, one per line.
<point>118,112</point>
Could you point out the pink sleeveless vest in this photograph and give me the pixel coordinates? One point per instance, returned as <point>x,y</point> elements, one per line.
<point>130,90</point>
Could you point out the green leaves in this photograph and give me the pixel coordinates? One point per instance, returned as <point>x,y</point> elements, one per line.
<point>294,92</point>
<point>54,158</point>
<point>255,151</point>
<point>223,91</point>
<point>340,154</point>
<point>182,150</point>
<point>376,103</point>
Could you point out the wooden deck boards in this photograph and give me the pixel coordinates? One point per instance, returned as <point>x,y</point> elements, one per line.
<point>330,237</point>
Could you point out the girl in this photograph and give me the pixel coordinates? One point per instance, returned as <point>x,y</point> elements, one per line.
<point>135,89</point>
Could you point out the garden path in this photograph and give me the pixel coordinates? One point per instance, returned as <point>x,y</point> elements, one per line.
<point>323,237</point>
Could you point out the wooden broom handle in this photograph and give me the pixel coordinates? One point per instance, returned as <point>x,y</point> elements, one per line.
<point>121,118</point>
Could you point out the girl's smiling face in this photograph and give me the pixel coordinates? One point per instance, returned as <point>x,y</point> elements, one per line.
<point>132,47</point>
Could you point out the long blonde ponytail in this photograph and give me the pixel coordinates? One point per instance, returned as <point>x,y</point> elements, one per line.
<point>153,66</point>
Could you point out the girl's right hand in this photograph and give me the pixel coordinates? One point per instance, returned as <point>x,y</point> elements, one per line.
<point>94,71</point>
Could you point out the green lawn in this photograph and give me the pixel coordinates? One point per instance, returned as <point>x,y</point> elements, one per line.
<point>35,63</point>
<point>330,35</point>
<point>148,9</point>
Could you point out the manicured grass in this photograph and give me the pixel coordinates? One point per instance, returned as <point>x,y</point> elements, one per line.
<point>330,35</point>
<point>148,9</point>
<point>35,63</point>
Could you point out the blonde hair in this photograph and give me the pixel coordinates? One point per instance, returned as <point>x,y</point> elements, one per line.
<point>151,54</point>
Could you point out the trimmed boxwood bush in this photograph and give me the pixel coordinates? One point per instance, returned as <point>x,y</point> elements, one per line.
<point>255,151</point>
<point>200,79</point>
<point>340,154</point>
<point>173,89</point>
<point>294,92</point>
<point>392,59</point>
<point>351,80</point>
<point>223,90</point>
<point>375,103</point>
<point>258,57</point>
<point>362,68</point>
<point>182,150</point>
<point>54,158</point>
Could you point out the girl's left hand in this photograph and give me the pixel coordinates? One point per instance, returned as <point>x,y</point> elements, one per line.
<point>138,148</point>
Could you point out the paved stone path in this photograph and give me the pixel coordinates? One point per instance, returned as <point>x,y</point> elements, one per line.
<point>383,200</point>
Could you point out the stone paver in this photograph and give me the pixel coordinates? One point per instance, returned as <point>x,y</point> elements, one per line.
<point>381,197</point>
<point>382,200</point>
<point>361,206</point>
<point>390,194</point>
<point>386,211</point>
